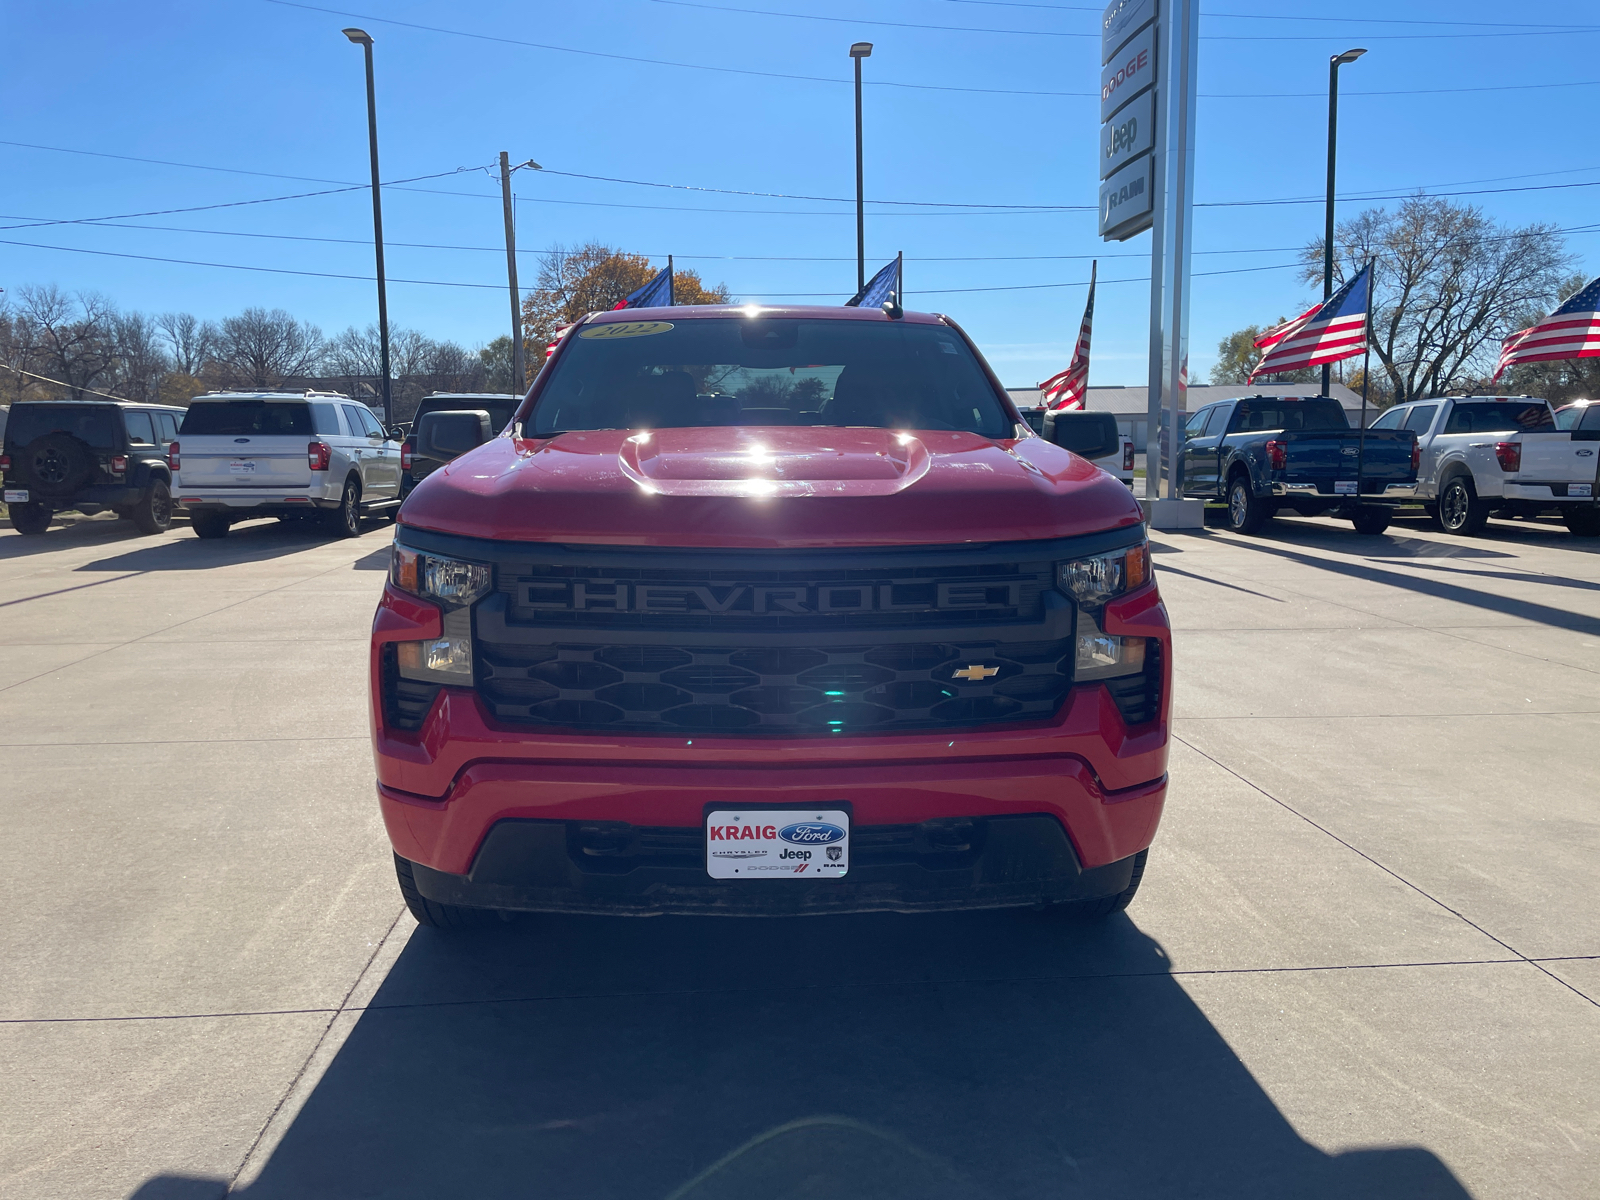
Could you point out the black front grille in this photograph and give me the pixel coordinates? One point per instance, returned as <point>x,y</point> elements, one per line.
<point>773,690</point>
<point>772,642</point>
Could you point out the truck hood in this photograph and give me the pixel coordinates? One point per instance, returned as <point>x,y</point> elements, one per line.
<point>769,487</point>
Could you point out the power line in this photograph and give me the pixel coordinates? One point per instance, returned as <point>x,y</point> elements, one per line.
<point>789,196</point>
<point>1556,31</point>
<point>1273,16</point>
<point>662,62</point>
<point>163,212</point>
<point>62,383</point>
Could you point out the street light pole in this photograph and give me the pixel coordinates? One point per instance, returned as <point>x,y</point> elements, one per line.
<point>857,52</point>
<point>1334,63</point>
<point>363,39</point>
<point>519,372</point>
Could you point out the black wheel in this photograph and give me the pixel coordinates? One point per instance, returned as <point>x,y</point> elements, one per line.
<point>209,524</point>
<point>56,464</point>
<point>31,518</point>
<point>433,914</point>
<point>1372,520</point>
<point>1247,513</point>
<point>1460,510</point>
<point>153,513</point>
<point>1099,910</point>
<point>1582,521</point>
<point>345,521</point>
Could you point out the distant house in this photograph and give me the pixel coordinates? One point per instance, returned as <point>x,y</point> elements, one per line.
<point>1131,406</point>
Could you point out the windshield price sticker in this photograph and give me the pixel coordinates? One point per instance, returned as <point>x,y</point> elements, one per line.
<point>625,329</point>
<point>778,844</point>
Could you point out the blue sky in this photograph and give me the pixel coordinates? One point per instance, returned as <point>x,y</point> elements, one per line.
<point>253,85</point>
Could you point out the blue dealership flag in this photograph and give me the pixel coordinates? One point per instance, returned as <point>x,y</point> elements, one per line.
<point>655,294</point>
<point>878,287</point>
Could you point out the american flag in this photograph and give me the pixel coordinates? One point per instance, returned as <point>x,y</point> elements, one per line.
<point>1067,390</point>
<point>1572,331</point>
<point>1273,336</point>
<point>1334,329</point>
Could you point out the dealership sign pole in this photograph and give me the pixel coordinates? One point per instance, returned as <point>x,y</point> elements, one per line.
<point>1147,106</point>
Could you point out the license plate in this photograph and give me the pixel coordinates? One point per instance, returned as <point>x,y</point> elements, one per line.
<point>764,843</point>
<point>242,467</point>
<point>16,495</point>
<point>1344,487</point>
<point>1573,489</point>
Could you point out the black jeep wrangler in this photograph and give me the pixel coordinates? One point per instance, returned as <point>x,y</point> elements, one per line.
<point>90,455</point>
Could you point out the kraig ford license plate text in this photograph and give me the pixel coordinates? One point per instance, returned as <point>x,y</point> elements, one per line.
<point>777,844</point>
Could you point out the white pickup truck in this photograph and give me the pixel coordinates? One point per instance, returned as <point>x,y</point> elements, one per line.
<point>1484,456</point>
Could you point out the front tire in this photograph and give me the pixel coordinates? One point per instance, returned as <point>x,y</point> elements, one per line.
<point>1582,522</point>
<point>433,914</point>
<point>153,513</point>
<point>1247,512</point>
<point>1460,510</point>
<point>345,521</point>
<point>1372,520</point>
<point>209,524</point>
<point>32,518</point>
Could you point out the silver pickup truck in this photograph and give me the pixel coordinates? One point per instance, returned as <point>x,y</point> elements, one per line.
<point>1484,456</point>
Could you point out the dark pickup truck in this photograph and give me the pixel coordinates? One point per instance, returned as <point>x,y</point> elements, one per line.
<point>1260,454</point>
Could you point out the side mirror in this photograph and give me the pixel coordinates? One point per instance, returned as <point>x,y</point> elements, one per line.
<point>1087,434</point>
<point>443,436</point>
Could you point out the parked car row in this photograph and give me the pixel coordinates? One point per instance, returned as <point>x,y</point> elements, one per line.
<point>228,457</point>
<point>1463,458</point>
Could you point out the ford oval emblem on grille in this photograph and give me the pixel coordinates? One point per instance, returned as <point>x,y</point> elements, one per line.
<point>811,833</point>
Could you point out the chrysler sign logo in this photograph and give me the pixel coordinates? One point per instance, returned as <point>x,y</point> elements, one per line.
<point>755,600</point>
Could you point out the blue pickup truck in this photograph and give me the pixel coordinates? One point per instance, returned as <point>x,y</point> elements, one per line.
<point>1260,454</point>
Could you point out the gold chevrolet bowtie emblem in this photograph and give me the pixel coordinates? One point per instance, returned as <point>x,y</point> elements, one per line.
<point>976,671</point>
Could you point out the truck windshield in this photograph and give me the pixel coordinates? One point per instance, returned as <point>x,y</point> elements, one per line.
<point>1287,414</point>
<point>246,417</point>
<point>93,424</point>
<point>1499,417</point>
<point>768,371</point>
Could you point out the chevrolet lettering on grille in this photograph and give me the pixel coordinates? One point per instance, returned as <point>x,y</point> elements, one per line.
<point>756,600</point>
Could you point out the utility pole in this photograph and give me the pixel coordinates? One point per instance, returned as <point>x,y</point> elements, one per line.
<point>519,376</point>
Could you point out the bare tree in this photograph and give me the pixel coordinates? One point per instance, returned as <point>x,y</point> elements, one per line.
<point>192,342</point>
<point>1449,284</point>
<point>70,338</point>
<point>260,348</point>
<point>454,368</point>
<point>141,364</point>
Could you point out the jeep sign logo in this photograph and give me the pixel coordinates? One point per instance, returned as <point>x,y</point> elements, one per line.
<point>754,600</point>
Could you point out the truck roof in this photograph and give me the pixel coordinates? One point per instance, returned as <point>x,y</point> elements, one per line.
<point>695,312</point>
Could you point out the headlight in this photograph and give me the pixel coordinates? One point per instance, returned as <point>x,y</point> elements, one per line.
<point>441,660</point>
<point>1093,580</point>
<point>1105,655</point>
<point>450,581</point>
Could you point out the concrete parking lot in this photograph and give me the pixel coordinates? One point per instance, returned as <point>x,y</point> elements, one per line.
<point>1365,961</point>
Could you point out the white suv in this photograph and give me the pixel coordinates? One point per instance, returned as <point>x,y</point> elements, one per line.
<point>241,455</point>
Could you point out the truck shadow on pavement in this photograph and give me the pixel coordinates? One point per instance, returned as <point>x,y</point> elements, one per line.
<point>254,542</point>
<point>880,1057</point>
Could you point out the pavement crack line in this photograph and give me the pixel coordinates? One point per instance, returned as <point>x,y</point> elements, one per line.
<point>1421,891</point>
<point>648,993</point>
<point>333,1015</point>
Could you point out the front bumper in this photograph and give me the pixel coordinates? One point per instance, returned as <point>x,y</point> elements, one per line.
<point>446,786</point>
<point>932,866</point>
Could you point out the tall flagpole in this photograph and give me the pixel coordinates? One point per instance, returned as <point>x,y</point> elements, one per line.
<point>1094,270</point>
<point>900,278</point>
<point>1366,381</point>
<point>671,280</point>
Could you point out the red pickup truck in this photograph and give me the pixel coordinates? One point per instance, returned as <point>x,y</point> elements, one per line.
<point>767,611</point>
